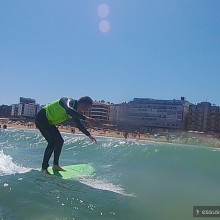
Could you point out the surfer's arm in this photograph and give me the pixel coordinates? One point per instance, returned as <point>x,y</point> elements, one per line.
<point>68,105</point>
<point>81,127</point>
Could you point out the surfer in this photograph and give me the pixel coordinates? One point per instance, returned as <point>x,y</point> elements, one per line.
<point>54,113</point>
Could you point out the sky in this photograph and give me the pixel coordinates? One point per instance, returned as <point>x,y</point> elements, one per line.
<point>110,50</point>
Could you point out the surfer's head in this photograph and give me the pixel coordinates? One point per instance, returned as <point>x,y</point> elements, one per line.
<point>84,103</point>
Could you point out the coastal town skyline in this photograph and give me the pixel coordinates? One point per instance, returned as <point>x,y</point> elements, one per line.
<point>109,101</point>
<point>138,114</point>
<point>114,50</point>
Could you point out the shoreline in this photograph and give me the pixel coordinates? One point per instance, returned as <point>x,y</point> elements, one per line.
<point>67,129</point>
<point>175,138</point>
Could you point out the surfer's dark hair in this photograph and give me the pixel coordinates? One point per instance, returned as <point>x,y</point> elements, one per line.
<point>86,100</point>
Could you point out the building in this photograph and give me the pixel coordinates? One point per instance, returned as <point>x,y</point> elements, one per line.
<point>26,108</point>
<point>29,110</point>
<point>204,117</point>
<point>118,114</point>
<point>22,110</point>
<point>5,111</point>
<point>150,114</point>
<point>27,100</point>
<point>100,112</point>
<point>14,110</point>
<point>198,117</point>
<point>214,119</point>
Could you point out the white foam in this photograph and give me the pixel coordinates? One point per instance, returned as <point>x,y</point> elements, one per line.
<point>7,167</point>
<point>105,185</point>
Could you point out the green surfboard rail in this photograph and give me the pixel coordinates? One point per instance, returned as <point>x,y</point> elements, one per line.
<point>73,171</point>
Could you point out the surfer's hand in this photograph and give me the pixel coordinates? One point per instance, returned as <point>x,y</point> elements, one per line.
<point>92,138</point>
<point>89,120</point>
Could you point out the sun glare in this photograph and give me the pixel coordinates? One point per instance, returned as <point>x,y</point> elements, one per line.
<point>103,10</point>
<point>104,26</point>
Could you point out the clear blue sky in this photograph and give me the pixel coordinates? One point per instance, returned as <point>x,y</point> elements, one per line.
<point>161,49</point>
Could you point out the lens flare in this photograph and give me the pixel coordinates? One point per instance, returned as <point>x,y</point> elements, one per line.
<point>103,10</point>
<point>104,26</point>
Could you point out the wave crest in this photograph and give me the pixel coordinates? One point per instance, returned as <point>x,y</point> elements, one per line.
<point>8,167</point>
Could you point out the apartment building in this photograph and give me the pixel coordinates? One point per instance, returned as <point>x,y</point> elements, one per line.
<point>100,112</point>
<point>214,119</point>
<point>118,114</point>
<point>27,108</point>
<point>204,117</point>
<point>5,111</point>
<point>148,113</point>
<point>27,100</point>
<point>14,110</point>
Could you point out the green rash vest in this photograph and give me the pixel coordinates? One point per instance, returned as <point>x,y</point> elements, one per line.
<point>56,113</point>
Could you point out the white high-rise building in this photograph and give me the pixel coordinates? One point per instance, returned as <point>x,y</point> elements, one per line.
<point>20,109</point>
<point>29,110</point>
<point>14,110</point>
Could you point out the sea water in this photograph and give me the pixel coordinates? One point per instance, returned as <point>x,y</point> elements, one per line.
<point>133,179</point>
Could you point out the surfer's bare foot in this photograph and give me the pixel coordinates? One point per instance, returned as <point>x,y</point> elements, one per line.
<point>45,171</point>
<point>57,168</point>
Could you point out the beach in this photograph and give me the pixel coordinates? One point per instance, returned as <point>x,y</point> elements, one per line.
<point>96,132</point>
<point>184,137</point>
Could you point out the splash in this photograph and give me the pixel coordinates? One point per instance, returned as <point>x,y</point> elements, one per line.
<point>7,167</point>
<point>105,185</point>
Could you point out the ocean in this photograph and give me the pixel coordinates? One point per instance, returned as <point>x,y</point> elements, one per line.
<point>133,179</point>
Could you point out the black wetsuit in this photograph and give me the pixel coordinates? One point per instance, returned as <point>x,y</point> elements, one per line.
<point>52,134</point>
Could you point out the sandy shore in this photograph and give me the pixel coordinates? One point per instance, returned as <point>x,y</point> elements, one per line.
<point>108,133</point>
<point>178,138</point>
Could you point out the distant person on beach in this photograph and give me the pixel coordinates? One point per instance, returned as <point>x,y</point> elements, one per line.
<point>125,134</point>
<point>54,113</point>
<point>73,131</point>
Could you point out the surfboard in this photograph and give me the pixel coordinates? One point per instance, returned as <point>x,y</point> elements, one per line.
<point>73,171</point>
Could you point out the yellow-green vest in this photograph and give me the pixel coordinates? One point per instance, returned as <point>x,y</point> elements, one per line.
<point>56,113</point>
